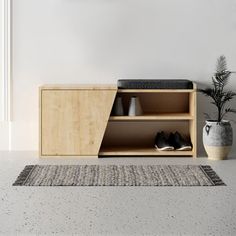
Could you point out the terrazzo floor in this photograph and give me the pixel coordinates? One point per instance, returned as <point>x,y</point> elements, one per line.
<point>116,210</point>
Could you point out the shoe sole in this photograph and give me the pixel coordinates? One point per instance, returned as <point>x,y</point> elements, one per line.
<point>186,148</point>
<point>169,148</point>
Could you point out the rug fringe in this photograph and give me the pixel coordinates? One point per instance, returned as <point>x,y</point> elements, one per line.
<point>23,175</point>
<point>212,175</point>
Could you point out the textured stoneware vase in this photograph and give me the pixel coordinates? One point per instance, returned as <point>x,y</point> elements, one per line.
<point>217,139</point>
<point>135,108</point>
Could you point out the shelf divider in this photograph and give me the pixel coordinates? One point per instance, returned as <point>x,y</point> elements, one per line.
<point>148,117</point>
<point>140,151</point>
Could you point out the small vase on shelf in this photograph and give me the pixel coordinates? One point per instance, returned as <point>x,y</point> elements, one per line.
<point>118,109</point>
<point>135,108</point>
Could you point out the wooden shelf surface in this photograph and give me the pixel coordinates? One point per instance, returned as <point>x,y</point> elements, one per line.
<point>162,116</point>
<point>78,87</point>
<point>140,151</point>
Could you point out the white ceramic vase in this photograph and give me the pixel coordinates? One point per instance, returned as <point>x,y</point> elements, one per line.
<point>135,108</point>
<point>217,139</point>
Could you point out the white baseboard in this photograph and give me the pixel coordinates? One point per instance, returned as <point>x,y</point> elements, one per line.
<point>24,136</point>
<point>18,136</point>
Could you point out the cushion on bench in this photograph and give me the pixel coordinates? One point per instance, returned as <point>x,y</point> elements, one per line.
<point>154,84</point>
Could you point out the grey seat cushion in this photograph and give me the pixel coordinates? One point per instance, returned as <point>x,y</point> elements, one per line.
<point>154,84</point>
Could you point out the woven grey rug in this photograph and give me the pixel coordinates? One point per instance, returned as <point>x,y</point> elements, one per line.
<point>118,175</point>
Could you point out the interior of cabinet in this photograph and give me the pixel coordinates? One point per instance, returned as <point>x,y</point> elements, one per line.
<point>140,133</point>
<point>168,111</point>
<point>127,136</point>
<point>158,103</point>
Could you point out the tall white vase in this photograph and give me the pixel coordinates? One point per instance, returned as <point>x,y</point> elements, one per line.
<point>135,108</point>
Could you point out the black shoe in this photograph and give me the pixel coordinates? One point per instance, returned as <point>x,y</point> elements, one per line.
<point>179,143</point>
<point>161,142</point>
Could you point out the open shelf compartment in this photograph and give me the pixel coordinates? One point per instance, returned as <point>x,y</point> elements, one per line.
<point>167,110</point>
<point>157,106</point>
<point>138,138</point>
<point>155,116</point>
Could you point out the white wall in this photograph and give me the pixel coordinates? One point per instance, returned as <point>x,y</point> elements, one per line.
<point>1,58</point>
<point>98,41</point>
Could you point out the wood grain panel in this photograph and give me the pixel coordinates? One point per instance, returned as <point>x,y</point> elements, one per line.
<point>73,122</point>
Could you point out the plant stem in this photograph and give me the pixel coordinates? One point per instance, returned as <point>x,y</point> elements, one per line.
<point>219,114</point>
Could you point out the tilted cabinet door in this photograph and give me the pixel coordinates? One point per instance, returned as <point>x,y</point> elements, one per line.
<point>73,121</point>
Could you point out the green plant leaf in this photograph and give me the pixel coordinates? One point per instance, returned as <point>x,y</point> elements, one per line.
<point>221,64</point>
<point>217,93</point>
<point>227,96</point>
<point>228,110</point>
<point>231,110</point>
<point>209,92</point>
<point>222,78</point>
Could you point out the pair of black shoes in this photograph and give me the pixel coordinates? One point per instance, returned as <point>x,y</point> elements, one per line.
<point>173,142</point>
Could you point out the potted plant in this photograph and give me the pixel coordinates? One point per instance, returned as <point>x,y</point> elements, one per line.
<point>217,132</point>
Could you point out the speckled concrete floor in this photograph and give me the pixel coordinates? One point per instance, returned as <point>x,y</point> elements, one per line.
<point>116,210</point>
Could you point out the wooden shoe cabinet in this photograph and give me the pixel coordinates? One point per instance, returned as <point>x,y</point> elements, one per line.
<point>77,120</point>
